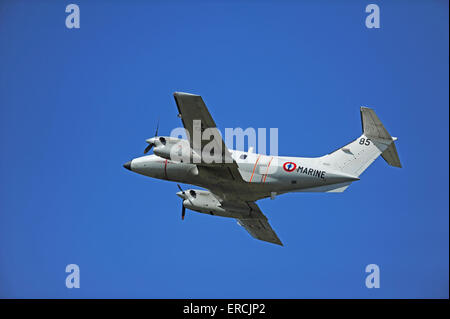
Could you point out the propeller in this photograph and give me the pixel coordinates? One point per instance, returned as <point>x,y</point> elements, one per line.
<point>148,148</point>
<point>183,209</point>
<point>150,145</point>
<point>157,127</point>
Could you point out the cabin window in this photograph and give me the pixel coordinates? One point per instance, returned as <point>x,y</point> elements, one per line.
<point>243,156</point>
<point>293,182</point>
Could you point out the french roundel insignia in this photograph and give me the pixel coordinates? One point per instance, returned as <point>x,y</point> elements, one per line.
<point>289,166</point>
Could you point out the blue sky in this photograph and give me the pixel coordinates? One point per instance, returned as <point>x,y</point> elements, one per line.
<point>76,104</point>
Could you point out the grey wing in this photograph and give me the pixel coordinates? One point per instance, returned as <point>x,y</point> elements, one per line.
<point>249,216</point>
<point>196,119</point>
<point>258,226</point>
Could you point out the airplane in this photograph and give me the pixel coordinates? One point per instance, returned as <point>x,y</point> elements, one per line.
<point>238,179</point>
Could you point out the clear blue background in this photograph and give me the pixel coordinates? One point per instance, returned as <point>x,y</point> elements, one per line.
<point>76,104</point>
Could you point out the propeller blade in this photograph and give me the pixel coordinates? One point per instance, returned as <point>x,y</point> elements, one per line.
<point>148,148</point>
<point>183,212</point>
<point>157,127</point>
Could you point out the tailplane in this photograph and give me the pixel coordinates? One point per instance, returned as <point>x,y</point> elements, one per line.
<point>355,157</point>
<point>374,129</point>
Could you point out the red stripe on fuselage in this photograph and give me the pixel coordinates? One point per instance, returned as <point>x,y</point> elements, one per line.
<point>267,170</point>
<point>254,167</point>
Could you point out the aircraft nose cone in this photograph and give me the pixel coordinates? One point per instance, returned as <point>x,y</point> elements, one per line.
<point>127,165</point>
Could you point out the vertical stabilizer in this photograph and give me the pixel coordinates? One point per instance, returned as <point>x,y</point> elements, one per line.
<point>355,157</point>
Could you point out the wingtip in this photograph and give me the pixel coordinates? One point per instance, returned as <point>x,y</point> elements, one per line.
<point>175,94</point>
<point>277,241</point>
<point>365,108</point>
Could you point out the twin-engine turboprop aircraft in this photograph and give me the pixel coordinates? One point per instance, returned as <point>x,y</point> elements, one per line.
<point>235,180</point>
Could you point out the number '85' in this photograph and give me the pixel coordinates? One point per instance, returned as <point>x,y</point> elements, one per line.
<point>364,141</point>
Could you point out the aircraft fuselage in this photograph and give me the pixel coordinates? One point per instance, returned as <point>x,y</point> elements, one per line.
<point>263,175</point>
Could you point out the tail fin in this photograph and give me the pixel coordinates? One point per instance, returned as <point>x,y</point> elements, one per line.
<point>374,129</point>
<point>355,157</point>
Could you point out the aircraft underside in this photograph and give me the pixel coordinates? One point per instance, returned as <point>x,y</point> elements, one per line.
<point>235,180</point>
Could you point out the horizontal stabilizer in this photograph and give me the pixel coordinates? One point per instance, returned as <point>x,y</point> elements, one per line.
<point>391,157</point>
<point>373,128</point>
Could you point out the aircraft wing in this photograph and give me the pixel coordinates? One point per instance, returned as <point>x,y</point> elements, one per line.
<point>191,108</point>
<point>196,119</point>
<point>258,226</point>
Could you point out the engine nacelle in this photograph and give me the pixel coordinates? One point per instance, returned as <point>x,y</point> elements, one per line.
<point>204,202</point>
<point>174,149</point>
<point>163,151</point>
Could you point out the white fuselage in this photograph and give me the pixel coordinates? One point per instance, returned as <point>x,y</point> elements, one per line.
<point>263,175</point>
